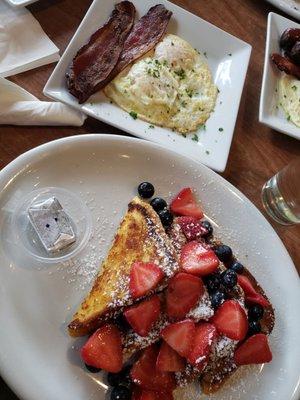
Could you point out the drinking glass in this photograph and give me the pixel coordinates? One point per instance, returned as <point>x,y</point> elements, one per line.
<point>281,194</point>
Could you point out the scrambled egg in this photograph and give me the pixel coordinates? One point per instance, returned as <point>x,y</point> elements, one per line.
<point>289,97</point>
<point>171,86</point>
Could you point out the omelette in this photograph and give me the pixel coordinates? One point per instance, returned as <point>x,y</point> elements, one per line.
<point>171,86</point>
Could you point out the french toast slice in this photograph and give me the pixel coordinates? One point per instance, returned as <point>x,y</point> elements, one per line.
<point>140,237</point>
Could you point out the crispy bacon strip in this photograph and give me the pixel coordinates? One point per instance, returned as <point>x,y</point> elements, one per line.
<point>97,59</point>
<point>286,65</point>
<point>145,35</point>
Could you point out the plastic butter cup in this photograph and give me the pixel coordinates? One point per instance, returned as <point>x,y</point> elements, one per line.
<point>69,232</point>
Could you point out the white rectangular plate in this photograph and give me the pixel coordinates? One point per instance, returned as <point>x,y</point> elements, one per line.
<point>291,7</point>
<point>20,3</point>
<point>269,113</point>
<point>228,59</point>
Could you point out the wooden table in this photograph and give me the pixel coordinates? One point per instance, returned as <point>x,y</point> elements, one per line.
<point>257,152</point>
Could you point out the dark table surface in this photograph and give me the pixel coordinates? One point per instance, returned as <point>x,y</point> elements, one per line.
<point>257,152</point>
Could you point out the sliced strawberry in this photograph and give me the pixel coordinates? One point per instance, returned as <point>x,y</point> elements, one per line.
<point>185,204</point>
<point>151,395</point>
<point>143,278</point>
<point>231,320</point>
<point>145,374</point>
<point>183,293</point>
<point>144,315</point>
<point>191,227</point>
<point>180,336</point>
<point>169,360</point>
<point>104,349</point>
<point>252,296</point>
<point>136,393</point>
<point>254,350</point>
<point>198,259</point>
<point>203,339</point>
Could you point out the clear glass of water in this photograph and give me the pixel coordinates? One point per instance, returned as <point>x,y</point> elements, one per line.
<point>281,195</point>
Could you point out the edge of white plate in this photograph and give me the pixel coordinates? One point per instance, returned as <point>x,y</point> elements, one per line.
<point>12,169</point>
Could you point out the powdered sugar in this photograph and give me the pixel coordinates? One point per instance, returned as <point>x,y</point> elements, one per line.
<point>165,251</point>
<point>203,310</point>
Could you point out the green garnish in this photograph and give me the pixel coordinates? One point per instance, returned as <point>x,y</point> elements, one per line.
<point>181,73</point>
<point>205,54</point>
<point>195,138</point>
<point>221,129</point>
<point>202,127</point>
<point>151,126</point>
<point>189,92</point>
<point>288,118</point>
<point>294,87</point>
<point>207,151</point>
<point>133,114</point>
<point>230,54</point>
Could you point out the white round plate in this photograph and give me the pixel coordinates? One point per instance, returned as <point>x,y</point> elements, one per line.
<point>37,357</point>
<point>291,7</point>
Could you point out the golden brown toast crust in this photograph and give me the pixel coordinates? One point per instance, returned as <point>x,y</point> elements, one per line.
<point>140,237</point>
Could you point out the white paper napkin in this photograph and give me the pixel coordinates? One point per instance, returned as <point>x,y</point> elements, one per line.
<point>19,107</point>
<point>23,43</point>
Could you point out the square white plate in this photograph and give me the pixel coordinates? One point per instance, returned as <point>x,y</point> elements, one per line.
<point>291,7</point>
<point>20,3</point>
<point>228,59</point>
<point>269,113</point>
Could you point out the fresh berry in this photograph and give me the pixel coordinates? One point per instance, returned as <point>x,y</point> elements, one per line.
<point>237,267</point>
<point>191,227</point>
<point>254,350</point>
<point>121,323</point>
<point>183,293</point>
<point>231,320</point>
<point>166,217</point>
<point>208,228</point>
<point>223,252</point>
<point>136,393</point>
<point>197,258</point>
<point>158,204</point>
<point>252,296</point>
<point>180,336</point>
<point>143,278</point>
<point>212,282</point>
<point>141,317</point>
<point>203,339</point>
<point>121,378</point>
<point>146,190</point>
<point>145,374</point>
<point>104,349</point>
<point>92,369</point>
<point>120,393</point>
<point>169,360</point>
<point>217,298</point>
<point>254,327</point>
<point>185,204</point>
<point>229,278</point>
<point>255,312</point>
<point>151,395</point>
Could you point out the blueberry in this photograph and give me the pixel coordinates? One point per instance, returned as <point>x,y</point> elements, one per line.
<point>255,312</point>
<point>223,252</point>
<point>94,370</point>
<point>120,393</point>
<point>217,298</point>
<point>229,278</point>
<point>146,190</point>
<point>212,282</point>
<point>237,267</point>
<point>254,327</point>
<point>166,217</point>
<point>208,227</point>
<point>121,378</point>
<point>158,204</point>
